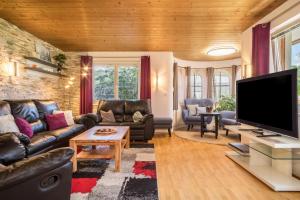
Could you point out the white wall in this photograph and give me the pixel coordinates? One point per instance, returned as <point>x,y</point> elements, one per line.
<point>161,67</point>
<point>285,14</point>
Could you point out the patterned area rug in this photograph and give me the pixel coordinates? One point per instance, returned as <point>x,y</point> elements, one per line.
<point>96,179</point>
<point>208,136</point>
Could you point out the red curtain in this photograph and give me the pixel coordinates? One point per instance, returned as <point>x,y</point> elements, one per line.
<point>145,91</point>
<point>86,87</point>
<point>260,49</point>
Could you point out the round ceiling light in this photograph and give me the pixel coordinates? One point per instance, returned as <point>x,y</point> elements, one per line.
<point>221,51</point>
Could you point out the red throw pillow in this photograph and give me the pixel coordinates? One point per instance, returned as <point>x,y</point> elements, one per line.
<point>56,121</point>
<point>24,127</point>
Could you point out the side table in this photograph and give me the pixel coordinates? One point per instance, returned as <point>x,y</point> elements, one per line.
<point>216,115</point>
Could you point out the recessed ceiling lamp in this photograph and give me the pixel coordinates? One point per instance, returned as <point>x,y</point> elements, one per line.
<point>221,51</point>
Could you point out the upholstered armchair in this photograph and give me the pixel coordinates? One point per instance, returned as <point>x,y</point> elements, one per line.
<point>228,118</point>
<point>191,120</point>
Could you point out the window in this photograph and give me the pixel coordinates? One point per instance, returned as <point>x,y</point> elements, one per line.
<point>221,84</point>
<point>116,81</point>
<point>286,50</point>
<point>196,86</point>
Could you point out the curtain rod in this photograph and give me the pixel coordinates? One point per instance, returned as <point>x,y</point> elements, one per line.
<point>286,31</point>
<point>115,57</point>
<point>208,67</point>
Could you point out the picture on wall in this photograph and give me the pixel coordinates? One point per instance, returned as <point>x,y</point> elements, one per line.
<point>42,51</point>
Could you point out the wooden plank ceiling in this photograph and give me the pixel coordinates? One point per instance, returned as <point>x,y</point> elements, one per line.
<point>187,27</point>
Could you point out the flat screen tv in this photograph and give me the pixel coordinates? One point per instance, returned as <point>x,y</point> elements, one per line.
<point>269,102</point>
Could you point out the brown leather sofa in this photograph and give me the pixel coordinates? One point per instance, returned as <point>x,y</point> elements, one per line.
<point>34,112</point>
<point>25,171</point>
<point>46,176</point>
<point>123,111</point>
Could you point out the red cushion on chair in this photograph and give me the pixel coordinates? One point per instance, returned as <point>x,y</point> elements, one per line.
<point>56,121</point>
<point>24,126</point>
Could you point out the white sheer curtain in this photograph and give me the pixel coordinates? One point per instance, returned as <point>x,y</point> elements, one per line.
<point>182,94</point>
<point>281,50</point>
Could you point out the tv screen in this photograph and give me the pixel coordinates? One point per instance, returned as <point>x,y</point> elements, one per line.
<point>269,102</point>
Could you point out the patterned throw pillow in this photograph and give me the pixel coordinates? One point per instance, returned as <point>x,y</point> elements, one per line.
<point>68,115</point>
<point>201,110</point>
<point>24,126</point>
<point>107,116</point>
<point>56,121</point>
<point>8,124</point>
<point>192,108</point>
<point>137,116</point>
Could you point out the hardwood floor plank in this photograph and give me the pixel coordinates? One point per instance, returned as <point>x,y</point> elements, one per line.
<point>192,170</point>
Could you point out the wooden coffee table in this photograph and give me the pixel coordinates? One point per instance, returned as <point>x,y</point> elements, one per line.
<point>115,143</point>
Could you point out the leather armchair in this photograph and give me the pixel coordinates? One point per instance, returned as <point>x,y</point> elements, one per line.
<point>46,176</point>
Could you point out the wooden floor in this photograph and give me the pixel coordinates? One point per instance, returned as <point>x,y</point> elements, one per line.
<point>190,170</point>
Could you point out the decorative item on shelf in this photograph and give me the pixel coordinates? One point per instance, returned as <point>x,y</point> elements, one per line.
<point>34,65</point>
<point>106,131</point>
<point>60,61</point>
<point>43,52</point>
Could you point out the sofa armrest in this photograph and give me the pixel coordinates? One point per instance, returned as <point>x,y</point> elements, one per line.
<point>185,114</point>
<point>34,166</point>
<point>149,126</point>
<point>147,117</point>
<point>88,120</point>
<point>228,114</point>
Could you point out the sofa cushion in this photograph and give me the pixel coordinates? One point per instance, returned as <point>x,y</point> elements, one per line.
<point>56,121</point>
<point>107,116</point>
<point>11,149</point>
<point>39,142</point>
<point>117,106</point>
<point>45,107</point>
<point>109,124</point>
<point>24,127</point>
<point>134,125</point>
<point>140,105</point>
<point>4,108</point>
<point>68,115</point>
<point>25,109</point>
<point>137,116</point>
<point>67,132</point>
<point>8,124</point>
<point>38,126</point>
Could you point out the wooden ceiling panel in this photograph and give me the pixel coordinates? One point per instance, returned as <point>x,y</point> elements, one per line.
<point>187,27</point>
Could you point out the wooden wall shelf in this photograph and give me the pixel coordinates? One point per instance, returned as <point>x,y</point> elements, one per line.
<point>45,71</point>
<point>37,60</point>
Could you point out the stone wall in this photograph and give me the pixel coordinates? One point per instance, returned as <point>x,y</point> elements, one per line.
<point>72,95</point>
<point>14,45</point>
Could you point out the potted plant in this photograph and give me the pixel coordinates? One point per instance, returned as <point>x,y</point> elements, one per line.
<point>60,61</point>
<point>226,103</point>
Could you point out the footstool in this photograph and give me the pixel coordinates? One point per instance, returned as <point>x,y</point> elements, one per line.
<point>163,123</point>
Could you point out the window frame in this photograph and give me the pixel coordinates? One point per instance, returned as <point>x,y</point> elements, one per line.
<point>221,73</point>
<point>194,86</point>
<point>116,76</point>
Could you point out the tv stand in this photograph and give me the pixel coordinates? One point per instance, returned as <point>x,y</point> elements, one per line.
<point>250,129</point>
<point>270,159</point>
<point>274,135</point>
